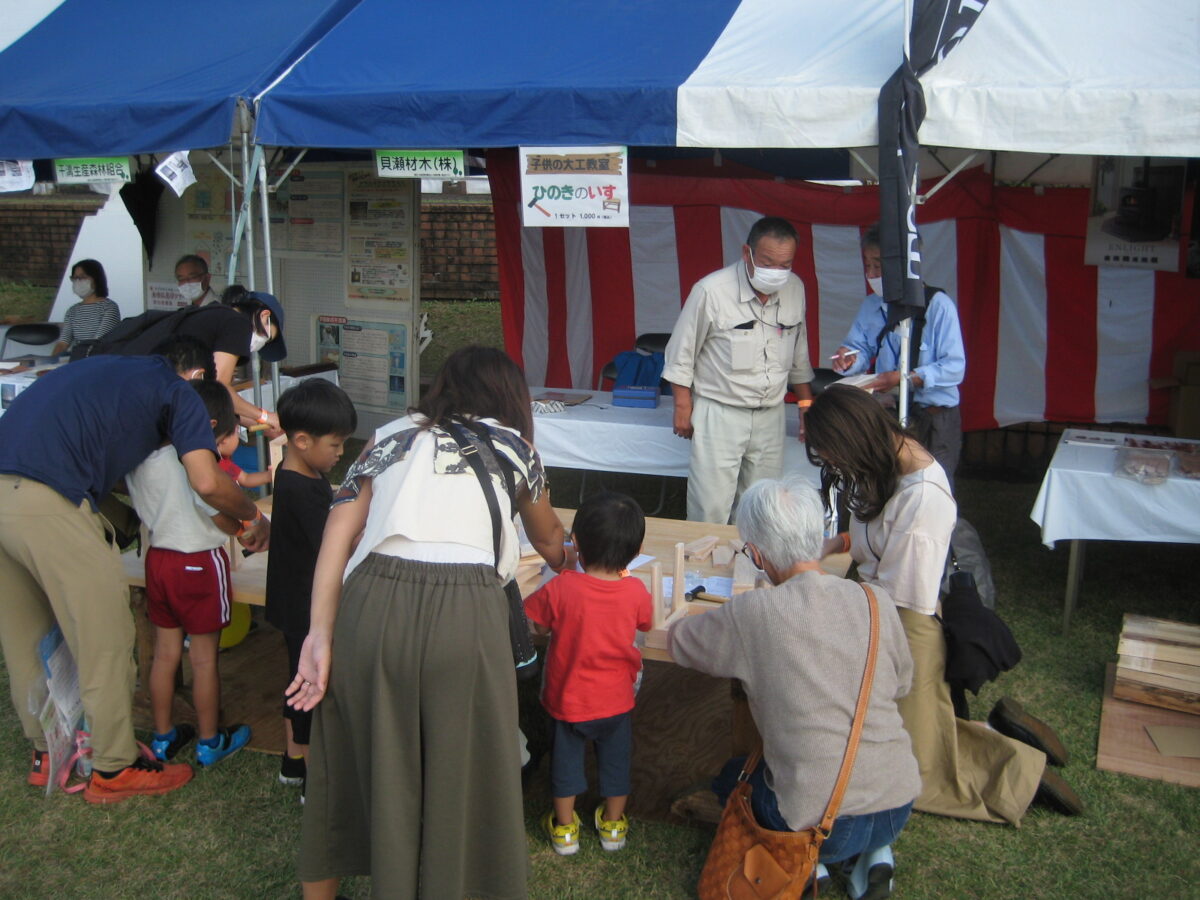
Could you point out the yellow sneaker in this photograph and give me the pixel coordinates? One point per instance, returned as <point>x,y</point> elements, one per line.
<point>612,834</point>
<point>563,838</point>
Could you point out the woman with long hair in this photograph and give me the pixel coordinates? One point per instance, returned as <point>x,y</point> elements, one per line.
<point>902,516</point>
<point>414,774</point>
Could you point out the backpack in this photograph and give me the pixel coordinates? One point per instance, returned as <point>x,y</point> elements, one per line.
<point>139,335</point>
<point>918,326</point>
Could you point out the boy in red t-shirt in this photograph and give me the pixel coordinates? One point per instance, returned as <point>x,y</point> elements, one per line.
<point>592,665</point>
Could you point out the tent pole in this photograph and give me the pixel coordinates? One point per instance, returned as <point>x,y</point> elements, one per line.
<point>905,332</point>
<point>264,197</point>
<point>247,221</point>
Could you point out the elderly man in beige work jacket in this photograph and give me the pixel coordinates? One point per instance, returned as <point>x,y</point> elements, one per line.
<point>738,345</point>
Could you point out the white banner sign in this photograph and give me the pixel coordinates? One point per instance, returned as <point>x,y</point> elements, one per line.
<point>176,170</point>
<point>164,296</point>
<point>16,174</point>
<point>580,187</point>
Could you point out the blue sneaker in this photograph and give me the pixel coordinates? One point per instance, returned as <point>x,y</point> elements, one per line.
<point>229,741</point>
<point>164,748</point>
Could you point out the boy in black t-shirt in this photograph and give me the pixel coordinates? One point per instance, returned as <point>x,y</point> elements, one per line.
<point>318,417</point>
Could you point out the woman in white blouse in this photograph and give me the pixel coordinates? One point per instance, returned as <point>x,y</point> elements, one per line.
<point>414,774</point>
<point>902,517</point>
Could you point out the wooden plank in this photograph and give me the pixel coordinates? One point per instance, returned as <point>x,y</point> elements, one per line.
<point>1158,667</point>
<point>1160,629</point>
<point>678,580</point>
<point>1132,676</point>
<point>744,574</point>
<point>656,596</point>
<point>702,548</point>
<point>1159,650</point>
<point>722,555</point>
<point>1164,696</point>
<point>1125,746</point>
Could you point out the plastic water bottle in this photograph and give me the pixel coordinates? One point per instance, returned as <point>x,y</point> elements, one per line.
<point>83,765</point>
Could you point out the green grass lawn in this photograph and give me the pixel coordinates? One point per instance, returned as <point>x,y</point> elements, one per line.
<point>233,832</point>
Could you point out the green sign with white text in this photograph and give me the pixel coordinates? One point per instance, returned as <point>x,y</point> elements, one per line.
<point>420,163</point>
<point>92,170</point>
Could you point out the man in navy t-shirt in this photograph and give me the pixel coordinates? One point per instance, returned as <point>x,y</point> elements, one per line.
<point>64,443</point>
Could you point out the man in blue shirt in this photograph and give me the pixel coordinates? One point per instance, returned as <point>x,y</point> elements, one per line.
<point>64,443</point>
<point>934,415</point>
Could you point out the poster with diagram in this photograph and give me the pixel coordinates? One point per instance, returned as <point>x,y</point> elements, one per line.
<point>372,358</point>
<point>308,211</point>
<point>379,237</point>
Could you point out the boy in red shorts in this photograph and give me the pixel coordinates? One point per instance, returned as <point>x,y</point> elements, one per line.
<point>188,590</point>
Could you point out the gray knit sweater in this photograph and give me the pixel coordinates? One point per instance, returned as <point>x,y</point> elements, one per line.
<point>799,649</point>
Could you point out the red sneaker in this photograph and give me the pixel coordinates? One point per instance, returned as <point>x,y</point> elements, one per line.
<point>39,772</point>
<point>143,776</point>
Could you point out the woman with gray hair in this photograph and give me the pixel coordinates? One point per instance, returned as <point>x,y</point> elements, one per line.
<point>799,648</point>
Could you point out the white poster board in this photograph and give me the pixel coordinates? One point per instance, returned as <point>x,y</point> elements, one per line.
<point>574,187</point>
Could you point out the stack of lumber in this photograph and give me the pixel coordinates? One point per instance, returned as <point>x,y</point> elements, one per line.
<point>1158,663</point>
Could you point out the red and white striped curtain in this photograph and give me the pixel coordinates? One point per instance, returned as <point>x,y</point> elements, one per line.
<point>1047,337</point>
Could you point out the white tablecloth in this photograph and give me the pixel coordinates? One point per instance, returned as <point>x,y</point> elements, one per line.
<point>598,436</point>
<point>1081,499</point>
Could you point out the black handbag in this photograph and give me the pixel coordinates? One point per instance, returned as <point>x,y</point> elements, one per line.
<point>525,656</point>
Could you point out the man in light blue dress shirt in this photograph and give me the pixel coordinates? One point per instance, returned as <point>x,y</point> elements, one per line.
<point>934,416</point>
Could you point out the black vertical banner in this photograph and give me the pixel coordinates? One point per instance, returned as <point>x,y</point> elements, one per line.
<point>937,27</point>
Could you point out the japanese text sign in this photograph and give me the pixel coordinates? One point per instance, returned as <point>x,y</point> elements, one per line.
<point>583,187</point>
<point>420,163</point>
<point>92,170</point>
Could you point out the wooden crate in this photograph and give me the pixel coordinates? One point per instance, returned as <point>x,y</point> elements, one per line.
<point>1158,663</point>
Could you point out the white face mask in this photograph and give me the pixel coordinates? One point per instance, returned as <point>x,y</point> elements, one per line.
<point>191,290</point>
<point>258,341</point>
<point>767,281</point>
<point>82,288</point>
<point>876,285</point>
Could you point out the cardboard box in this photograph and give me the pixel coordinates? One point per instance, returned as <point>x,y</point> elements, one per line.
<point>1187,367</point>
<point>1183,415</point>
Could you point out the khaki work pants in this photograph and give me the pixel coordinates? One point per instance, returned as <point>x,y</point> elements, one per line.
<point>58,566</point>
<point>968,771</point>
<point>732,447</point>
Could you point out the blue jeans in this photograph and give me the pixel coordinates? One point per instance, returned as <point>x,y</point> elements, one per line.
<point>851,835</point>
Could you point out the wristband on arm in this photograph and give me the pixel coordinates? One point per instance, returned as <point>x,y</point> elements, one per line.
<point>246,524</point>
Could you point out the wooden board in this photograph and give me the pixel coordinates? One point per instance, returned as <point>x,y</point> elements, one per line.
<point>1159,663</point>
<point>1125,746</point>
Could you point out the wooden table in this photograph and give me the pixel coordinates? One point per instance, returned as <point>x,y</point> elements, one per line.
<point>686,724</point>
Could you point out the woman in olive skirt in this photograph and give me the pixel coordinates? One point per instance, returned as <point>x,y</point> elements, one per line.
<point>414,774</point>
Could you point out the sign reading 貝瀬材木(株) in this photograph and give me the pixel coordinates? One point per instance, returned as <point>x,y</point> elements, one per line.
<point>420,164</point>
<point>580,187</point>
<point>92,170</point>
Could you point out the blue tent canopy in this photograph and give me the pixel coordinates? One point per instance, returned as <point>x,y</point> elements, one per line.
<point>126,76</point>
<point>500,74</point>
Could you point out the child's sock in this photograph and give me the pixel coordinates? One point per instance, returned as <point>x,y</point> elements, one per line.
<point>167,736</point>
<point>214,741</point>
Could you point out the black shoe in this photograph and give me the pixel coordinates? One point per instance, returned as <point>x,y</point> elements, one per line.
<point>166,750</point>
<point>292,770</point>
<point>1056,794</point>
<point>1010,719</point>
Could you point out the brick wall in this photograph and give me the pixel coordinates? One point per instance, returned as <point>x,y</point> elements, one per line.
<point>458,248</point>
<point>38,234</point>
